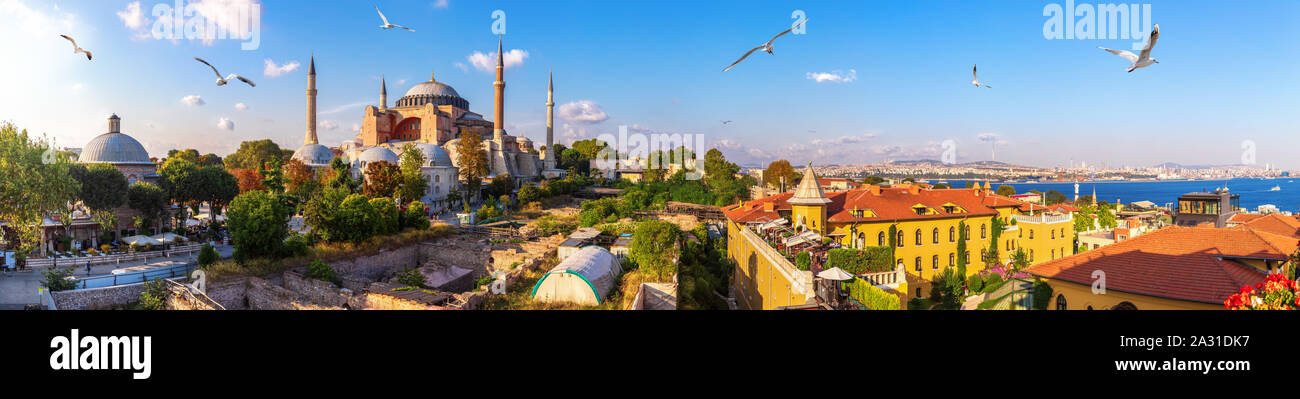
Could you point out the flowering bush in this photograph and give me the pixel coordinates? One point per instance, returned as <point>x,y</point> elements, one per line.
<point>1275,293</point>
<point>1004,272</point>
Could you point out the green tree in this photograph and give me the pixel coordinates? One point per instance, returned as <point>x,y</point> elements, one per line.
<point>529,193</point>
<point>35,181</point>
<point>473,161</point>
<point>322,214</point>
<point>1052,197</point>
<point>254,154</point>
<point>148,199</point>
<point>1006,189</point>
<point>208,255</point>
<point>654,248</point>
<point>258,223</point>
<point>383,179</point>
<point>501,184</point>
<point>357,218</point>
<point>962,260</point>
<point>217,187</point>
<point>772,176</point>
<point>413,183</point>
<point>416,216</point>
<point>57,279</point>
<point>190,155</point>
<point>103,187</point>
<point>589,148</point>
<point>387,220</point>
<point>180,177</point>
<point>273,175</point>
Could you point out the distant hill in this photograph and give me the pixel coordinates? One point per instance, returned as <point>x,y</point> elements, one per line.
<point>1175,165</point>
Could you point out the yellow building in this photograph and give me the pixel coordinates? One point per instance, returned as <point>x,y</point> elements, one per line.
<point>923,224</point>
<point>1178,268</point>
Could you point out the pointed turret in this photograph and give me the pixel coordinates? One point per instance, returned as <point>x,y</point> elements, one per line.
<point>383,93</point>
<point>809,192</point>
<point>498,116</point>
<point>549,155</point>
<point>311,104</point>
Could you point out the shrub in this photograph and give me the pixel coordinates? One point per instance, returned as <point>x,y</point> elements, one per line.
<point>992,282</point>
<point>416,216</point>
<point>295,245</point>
<point>975,283</point>
<point>654,248</point>
<point>550,225</point>
<point>803,260</point>
<point>257,223</point>
<point>411,277</point>
<point>154,296</point>
<point>387,220</point>
<point>1042,295</point>
<point>57,279</point>
<point>322,271</point>
<point>872,297</point>
<point>208,255</point>
<point>870,260</point>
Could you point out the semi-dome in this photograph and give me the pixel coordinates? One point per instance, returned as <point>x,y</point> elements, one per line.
<point>114,147</point>
<point>434,92</point>
<point>434,155</point>
<point>376,154</point>
<point>314,155</point>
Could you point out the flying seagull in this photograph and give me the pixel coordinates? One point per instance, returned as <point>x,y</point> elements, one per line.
<point>976,82</point>
<point>765,46</point>
<point>77,49</point>
<point>222,81</point>
<point>387,25</point>
<point>726,122</point>
<point>1143,59</point>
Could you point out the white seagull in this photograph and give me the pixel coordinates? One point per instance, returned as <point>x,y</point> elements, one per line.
<point>1143,59</point>
<point>222,81</point>
<point>77,49</point>
<point>976,82</point>
<point>765,46</point>
<point>387,25</point>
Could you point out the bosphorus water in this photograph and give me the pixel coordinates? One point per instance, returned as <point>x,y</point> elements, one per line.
<point>1253,192</point>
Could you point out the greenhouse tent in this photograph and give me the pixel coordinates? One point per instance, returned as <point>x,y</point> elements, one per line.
<point>583,278</point>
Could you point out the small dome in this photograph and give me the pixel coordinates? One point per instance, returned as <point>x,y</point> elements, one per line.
<point>114,148</point>
<point>376,154</point>
<point>314,155</point>
<point>434,155</point>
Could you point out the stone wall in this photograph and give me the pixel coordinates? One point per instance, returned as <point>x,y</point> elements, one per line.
<point>98,298</point>
<point>380,265</point>
<point>232,293</point>
<point>262,295</point>
<point>183,297</point>
<point>318,292</point>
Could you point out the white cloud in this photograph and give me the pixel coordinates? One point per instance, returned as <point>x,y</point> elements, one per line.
<point>226,124</point>
<point>329,125</point>
<point>224,13</point>
<point>241,106</point>
<point>845,139</point>
<point>273,70</point>
<point>584,112</point>
<point>356,127</point>
<point>441,4</point>
<point>488,62</point>
<point>132,17</point>
<point>573,133</point>
<point>835,76</point>
<point>192,100</point>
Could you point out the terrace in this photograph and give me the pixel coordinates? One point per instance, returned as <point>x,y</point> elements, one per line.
<point>784,245</point>
<point>1044,218</point>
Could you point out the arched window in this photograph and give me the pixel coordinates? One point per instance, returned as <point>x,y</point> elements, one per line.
<point>936,235</point>
<point>983,231</point>
<point>952,234</point>
<point>901,242</point>
<point>918,236</point>
<point>1126,305</point>
<point>1053,253</point>
<point>1031,254</point>
<point>862,240</point>
<point>1060,301</point>
<point>918,264</point>
<point>880,239</point>
<point>1031,234</point>
<point>952,259</point>
<point>967,232</point>
<point>1053,234</point>
<point>934,262</point>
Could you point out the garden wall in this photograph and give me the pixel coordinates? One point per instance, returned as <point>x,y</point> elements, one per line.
<point>97,298</point>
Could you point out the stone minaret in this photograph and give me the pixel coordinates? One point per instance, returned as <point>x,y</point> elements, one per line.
<point>549,155</point>
<point>498,117</point>
<point>311,104</point>
<point>383,94</point>
<point>114,124</point>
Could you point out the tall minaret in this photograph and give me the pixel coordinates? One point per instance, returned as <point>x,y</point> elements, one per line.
<point>383,94</point>
<point>311,104</point>
<point>549,155</point>
<point>498,117</point>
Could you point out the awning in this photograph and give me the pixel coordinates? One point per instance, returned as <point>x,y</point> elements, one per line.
<point>835,273</point>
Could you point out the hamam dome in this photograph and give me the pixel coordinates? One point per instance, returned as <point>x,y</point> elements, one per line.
<point>114,148</point>
<point>314,155</point>
<point>434,92</point>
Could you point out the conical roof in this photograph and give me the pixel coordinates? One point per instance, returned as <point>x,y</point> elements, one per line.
<point>809,192</point>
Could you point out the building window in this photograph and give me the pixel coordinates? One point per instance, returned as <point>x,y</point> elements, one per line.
<point>952,259</point>
<point>936,235</point>
<point>1031,234</point>
<point>1053,254</point>
<point>901,241</point>
<point>983,232</point>
<point>1060,301</point>
<point>1126,305</point>
<point>934,262</point>
<point>1053,234</point>
<point>952,234</point>
<point>1031,254</point>
<point>918,264</point>
<point>918,237</point>
<point>880,239</point>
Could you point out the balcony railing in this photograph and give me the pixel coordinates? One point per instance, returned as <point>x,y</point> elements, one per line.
<point>1043,218</point>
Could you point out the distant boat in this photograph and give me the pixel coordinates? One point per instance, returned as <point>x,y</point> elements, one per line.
<point>1275,188</point>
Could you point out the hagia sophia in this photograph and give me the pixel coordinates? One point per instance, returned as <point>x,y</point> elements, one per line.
<point>432,116</point>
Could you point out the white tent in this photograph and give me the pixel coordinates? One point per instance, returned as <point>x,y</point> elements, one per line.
<point>141,240</point>
<point>166,238</point>
<point>583,278</point>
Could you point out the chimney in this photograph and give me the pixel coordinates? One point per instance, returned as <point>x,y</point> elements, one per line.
<point>875,189</point>
<point>769,206</point>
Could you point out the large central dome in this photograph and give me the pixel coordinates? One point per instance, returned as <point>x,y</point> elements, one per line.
<point>114,148</point>
<point>434,92</point>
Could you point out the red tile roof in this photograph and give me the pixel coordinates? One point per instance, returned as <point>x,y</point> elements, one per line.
<point>1273,223</point>
<point>1244,217</point>
<point>887,203</point>
<point>1183,263</point>
<point>1062,208</point>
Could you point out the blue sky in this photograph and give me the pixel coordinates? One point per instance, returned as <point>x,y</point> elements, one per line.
<point>1226,75</point>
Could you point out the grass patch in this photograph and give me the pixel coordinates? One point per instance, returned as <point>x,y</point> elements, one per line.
<point>326,252</point>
